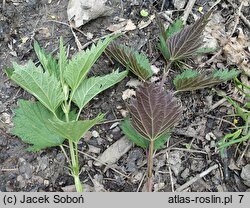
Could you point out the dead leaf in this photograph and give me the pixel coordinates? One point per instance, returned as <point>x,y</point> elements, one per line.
<point>115,151</point>
<point>117,27</point>
<point>144,24</point>
<point>122,26</point>
<point>235,54</point>
<point>82,11</point>
<point>130,26</point>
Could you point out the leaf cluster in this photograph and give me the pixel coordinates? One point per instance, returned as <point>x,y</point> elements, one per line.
<point>136,62</point>
<point>57,83</point>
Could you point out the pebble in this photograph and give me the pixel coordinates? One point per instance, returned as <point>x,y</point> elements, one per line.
<point>245,174</point>
<point>179,4</point>
<point>6,118</point>
<point>43,162</point>
<point>185,173</point>
<point>95,134</point>
<point>3,142</point>
<point>25,168</point>
<point>137,177</point>
<point>46,182</point>
<point>94,149</point>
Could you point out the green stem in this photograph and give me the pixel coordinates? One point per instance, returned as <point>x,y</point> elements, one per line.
<point>75,166</point>
<point>78,114</point>
<point>150,165</point>
<point>78,184</point>
<point>73,153</point>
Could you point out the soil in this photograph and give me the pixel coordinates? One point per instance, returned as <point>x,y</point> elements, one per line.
<point>191,149</point>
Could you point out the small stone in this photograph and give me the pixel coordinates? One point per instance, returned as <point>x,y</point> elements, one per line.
<point>46,182</point>
<point>137,177</point>
<point>89,36</point>
<point>3,142</point>
<point>185,173</point>
<point>179,4</point>
<point>95,134</point>
<point>90,163</point>
<point>9,187</point>
<point>158,186</point>
<point>94,149</point>
<point>124,113</point>
<point>245,174</point>
<point>21,181</point>
<point>6,118</point>
<point>43,162</point>
<point>25,168</point>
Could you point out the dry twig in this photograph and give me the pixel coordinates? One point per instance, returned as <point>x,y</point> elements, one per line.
<point>188,10</point>
<point>196,178</point>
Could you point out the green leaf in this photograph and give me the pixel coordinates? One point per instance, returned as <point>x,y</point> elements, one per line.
<point>242,87</point>
<point>243,113</point>
<point>79,66</point>
<point>62,61</point>
<point>165,34</point>
<point>73,130</point>
<point>154,111</point>
<point>185,43</point>
<point>133,135</point>
<point>206,50</point>
<point>162,46</point>
<point>139,140</point>
<point>47,61</point>
<point>45,87</point>
<point>174,28</point>
<point>190,80</point>
<point>94,85</point>
<point>160,141</point>
<point>31,125</point>
<point>225,74</point>
<point>9,72</point>
<point>136,62</point>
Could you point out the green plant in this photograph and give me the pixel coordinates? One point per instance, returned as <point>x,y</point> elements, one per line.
<point>136,62</point>
<point>178,42</point>
<point>153,114</point>
<point>240,133</point>
<point>57,85</point>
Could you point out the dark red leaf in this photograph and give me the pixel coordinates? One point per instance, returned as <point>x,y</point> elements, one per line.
<point>154,111</point>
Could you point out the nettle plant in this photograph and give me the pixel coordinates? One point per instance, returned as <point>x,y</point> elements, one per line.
<point>154,112</point>
<point>62,89</point>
